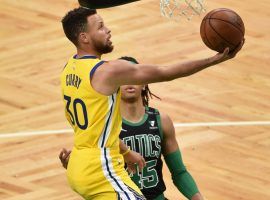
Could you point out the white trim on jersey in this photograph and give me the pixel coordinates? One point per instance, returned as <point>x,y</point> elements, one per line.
<point>108,121</point>
<point>113,101</point>
<point>118,185</point>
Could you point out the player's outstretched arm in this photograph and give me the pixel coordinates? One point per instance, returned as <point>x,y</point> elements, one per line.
<point>115,73</point>
<point>170,150</point>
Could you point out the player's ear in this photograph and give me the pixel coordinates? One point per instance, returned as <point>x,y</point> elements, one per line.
<point>83,37</point>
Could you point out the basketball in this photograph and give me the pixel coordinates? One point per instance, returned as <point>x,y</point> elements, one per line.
<point>222,28</point>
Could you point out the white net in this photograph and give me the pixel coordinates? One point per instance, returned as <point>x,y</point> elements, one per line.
<point>177,9</point>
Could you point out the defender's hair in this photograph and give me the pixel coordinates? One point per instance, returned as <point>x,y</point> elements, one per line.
<point>146,93</point>
<point>75,22</point>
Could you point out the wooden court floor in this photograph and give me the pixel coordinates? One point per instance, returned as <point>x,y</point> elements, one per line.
<point>229,162</point>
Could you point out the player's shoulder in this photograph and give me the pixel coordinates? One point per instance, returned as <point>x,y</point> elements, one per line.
<point>151,110</point>
<point>164,117</point>
<point>155,111</point>
<point>115,62</point>
<point>119,65</point>
<point>114,66</point>
<point>166,122</point>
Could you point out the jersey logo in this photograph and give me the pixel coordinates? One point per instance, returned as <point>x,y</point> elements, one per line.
<point>152,125</point>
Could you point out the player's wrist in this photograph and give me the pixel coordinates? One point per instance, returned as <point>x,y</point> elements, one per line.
<point>126,151</point>
<point>218,58</point>
<point>211,61</point>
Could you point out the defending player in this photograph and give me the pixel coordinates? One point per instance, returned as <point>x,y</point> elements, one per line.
<point>151,134</point>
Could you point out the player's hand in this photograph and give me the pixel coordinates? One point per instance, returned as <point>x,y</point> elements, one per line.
<point>64,157</point>
<point>197,196</point>
<point>132,159</point>
<point>226,54</point>
<point>237,49</point>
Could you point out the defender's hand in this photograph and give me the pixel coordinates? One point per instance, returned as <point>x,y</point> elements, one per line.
<point>197,196</point>
<point>132,159</point>
<point>64,157</point>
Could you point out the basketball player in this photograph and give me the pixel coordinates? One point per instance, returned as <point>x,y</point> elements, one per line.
<point>151,134</point>
<point>90,89</point>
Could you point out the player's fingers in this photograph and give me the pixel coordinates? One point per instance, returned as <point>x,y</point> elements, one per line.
<point>64,150</point>
<point>141,164</point>
<point>241,44</point>
<point>129,171</point>
<point>61,154</point>
<point>66,155</point>
<point>131,168</point>
<point>144,163</point>
<point>238,48</point>
<point>226,51</point>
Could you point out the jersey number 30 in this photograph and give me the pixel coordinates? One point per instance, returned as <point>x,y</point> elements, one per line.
<point>75,106</point>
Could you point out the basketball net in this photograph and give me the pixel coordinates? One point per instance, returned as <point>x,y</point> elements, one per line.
<point>177,9</point>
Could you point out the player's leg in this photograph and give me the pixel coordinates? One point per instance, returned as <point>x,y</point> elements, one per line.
<point>85,174</point>
<point>113,168</point>
<point>95,173</point>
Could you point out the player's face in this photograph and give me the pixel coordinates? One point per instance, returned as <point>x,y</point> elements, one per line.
<point>131,93</point>
<point>99,34</point>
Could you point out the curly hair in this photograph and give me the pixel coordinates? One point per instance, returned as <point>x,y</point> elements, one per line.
<point>75,22</point>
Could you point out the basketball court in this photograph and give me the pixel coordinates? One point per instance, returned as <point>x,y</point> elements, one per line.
<point>221,115</point>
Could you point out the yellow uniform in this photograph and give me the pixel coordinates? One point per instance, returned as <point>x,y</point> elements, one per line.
<point>96,168</point>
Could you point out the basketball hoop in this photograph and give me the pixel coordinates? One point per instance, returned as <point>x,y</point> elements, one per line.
<point>177,9</point>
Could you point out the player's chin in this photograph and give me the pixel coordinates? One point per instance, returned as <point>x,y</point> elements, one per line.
<point>108,48</point>
<point>111,47</point>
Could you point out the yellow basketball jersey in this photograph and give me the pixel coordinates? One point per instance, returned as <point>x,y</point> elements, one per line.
<point>96,167</point>
<point>95,118</point>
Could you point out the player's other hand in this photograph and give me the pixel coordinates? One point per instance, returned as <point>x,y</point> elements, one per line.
<point>132,159</point>
<point>64,157</point>
<point>227,54</point>
<point>197,196</point>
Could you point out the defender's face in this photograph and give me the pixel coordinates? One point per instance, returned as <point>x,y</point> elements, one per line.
<point>131,93</point>
<point>99,34</point>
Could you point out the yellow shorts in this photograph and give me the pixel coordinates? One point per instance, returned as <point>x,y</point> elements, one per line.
<point>99,174</point>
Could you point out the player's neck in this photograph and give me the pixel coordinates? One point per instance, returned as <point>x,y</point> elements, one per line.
<point>84,52</point>
<point>132,112</point>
